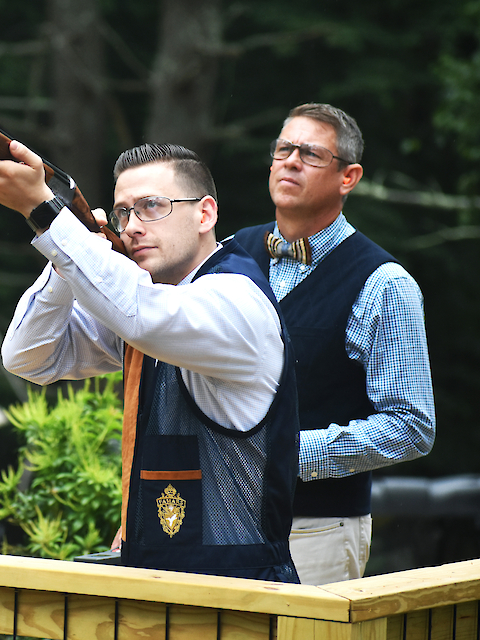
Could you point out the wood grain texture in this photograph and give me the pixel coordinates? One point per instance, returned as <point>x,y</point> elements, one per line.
<point>395,627</point>
<point>466,621</point>
<point>417,625</point>
<point>369,630</point>
<point>235,594</point>
<point>442,623</point>
<point>6,610</point>
<point>236,625</point>
<point>391,594</point>
<point>425,604</point>
<point>293,628</point>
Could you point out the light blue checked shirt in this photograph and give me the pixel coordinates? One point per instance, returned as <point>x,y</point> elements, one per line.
<point>386,334</point>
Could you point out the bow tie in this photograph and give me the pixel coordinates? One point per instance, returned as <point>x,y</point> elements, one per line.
<point>298,250</point>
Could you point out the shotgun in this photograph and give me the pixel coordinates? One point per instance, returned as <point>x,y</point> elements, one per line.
<point>65,188</point>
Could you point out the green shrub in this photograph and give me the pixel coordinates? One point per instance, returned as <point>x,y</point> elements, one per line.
<point>72,505</point>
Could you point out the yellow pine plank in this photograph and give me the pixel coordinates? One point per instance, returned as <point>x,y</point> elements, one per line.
<point>237,625</point>
<point>192,622</point>
<point>296,629</point>
<point>354,601</point>
<point>395,627</point>
<point>172,587</point>
<point>390,594</point>
<point>442,622</point>
<point>6,610</point>
<point>87,617</point>
<point>138,619</point>
<point>369,630</point>
<point>93,617</point>
<point>417,625</point>
<point>466,621</point>
<point>40,614</point>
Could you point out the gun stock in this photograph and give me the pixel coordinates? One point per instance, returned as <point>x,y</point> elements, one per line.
<point>66,189</point>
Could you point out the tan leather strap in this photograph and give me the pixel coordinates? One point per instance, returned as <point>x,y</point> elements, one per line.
<point>132,373</point>
<point>193,474</point>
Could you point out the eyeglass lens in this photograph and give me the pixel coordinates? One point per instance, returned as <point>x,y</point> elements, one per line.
<point>146,209</point>
<point>309,153</point>
<point>153,208</point>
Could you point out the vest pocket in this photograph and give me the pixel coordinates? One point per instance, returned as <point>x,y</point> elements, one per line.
<point>170,492</point>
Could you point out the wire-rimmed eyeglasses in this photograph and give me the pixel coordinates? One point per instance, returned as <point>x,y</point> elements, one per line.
<point>311,154</point>
<point>147,209</point>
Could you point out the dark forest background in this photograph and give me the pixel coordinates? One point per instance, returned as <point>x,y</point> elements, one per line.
<point>82,80</point>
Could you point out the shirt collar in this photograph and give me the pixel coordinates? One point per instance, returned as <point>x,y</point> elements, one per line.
<point>327,239</point>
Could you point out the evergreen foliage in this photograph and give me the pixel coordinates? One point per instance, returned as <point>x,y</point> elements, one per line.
<point>72,451</point>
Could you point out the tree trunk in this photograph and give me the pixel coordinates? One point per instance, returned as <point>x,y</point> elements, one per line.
<point>184,76</point>
<point>79,93</point>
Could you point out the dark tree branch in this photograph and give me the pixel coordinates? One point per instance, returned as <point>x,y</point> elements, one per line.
<point>265,40</point>
<point>448,234</point>
<point>121,48</point>
<point>27,48</point>
<point>432,199</point>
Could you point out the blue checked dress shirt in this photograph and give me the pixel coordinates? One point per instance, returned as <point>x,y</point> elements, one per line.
<point>386,334</point>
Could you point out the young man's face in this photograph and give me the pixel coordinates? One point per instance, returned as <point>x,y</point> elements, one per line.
<point>173,246</point>
<point>298,189</point>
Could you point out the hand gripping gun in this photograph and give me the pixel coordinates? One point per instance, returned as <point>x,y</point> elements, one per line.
<point>65,188</point>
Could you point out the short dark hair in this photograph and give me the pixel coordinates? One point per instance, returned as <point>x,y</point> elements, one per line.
<point>189,168</point>
<point>349,137</point>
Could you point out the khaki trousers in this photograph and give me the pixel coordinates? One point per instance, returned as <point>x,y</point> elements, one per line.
<point>330,549</point>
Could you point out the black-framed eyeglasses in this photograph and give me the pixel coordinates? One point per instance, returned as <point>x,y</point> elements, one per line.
<point>147,209</point>
<point>310,154</point>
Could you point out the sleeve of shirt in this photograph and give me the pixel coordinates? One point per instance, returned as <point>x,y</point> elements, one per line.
<point>36,345</point>
<point>386,335</point>
<point>221,326</point>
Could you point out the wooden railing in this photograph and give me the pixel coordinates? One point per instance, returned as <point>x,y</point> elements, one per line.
<point>80,601</point>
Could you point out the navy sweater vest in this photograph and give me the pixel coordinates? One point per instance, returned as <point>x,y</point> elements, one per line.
<point>331,387</point>
<point>204,498</point>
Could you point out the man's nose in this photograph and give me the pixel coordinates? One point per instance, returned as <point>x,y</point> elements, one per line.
<point>294,158</point>
<point>134,225</point>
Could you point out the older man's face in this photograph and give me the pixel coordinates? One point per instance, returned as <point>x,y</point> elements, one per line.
<point>298,189</point>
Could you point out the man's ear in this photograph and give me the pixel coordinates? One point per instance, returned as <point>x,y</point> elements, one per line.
<point>209,209</point>
<point>352,175</point>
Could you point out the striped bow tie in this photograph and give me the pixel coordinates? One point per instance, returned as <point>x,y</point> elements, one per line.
<point>298,250</point>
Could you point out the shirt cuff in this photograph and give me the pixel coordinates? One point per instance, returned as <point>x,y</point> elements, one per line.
<point>52,242</point>
<point>313,463</point>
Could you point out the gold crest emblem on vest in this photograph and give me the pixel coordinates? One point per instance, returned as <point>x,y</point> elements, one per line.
<point>171,510</point>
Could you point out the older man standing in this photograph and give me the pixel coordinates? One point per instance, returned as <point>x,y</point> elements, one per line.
<point>355,317</point>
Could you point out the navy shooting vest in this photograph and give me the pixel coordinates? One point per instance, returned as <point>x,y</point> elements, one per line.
<point>331,387</point>
<point>204,498</point>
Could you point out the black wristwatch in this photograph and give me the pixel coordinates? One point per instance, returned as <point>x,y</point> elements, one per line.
<point>43,215</point>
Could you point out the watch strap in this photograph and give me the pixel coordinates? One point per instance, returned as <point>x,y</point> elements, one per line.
<point>43,215</point>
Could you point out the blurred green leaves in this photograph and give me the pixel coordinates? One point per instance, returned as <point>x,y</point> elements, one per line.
<point>71,452</point>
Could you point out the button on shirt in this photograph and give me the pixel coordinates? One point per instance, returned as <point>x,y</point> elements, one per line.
<point>385,333</point>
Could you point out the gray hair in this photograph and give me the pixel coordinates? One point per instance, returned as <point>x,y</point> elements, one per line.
<point>349,137</point>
